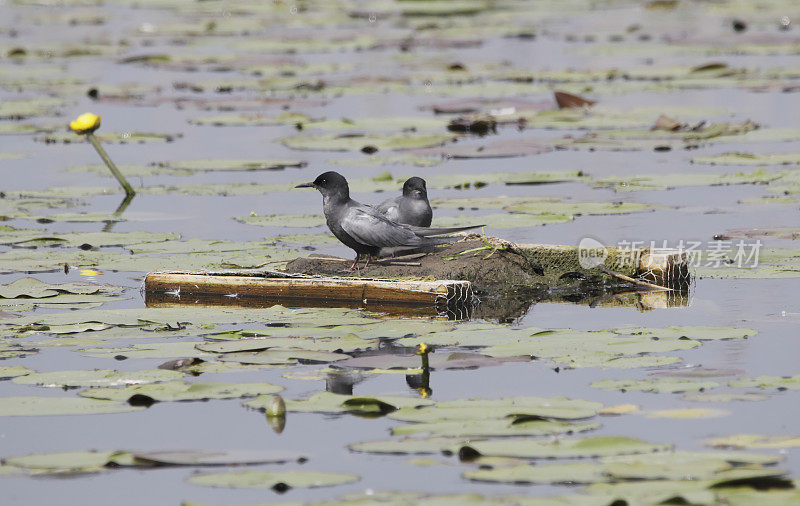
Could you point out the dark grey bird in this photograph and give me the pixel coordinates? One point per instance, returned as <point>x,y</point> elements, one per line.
<point>365,230</point>
<point>412,207</point>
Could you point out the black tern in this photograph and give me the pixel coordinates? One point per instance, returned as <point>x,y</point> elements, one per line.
<point>411,208</point>
<point>365,230</point>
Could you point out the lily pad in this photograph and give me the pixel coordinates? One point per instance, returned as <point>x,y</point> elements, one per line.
<point>181,391</point>
<point>346,343</point>
<point>92,239</point>
<point>667,181</point>
<point>207,165</point>
<point>749,159</point>
<point>601,446</point>
<point>768,382</point>
<point>33,288</point>
<point>455,360</point>
<point>502,220</point>
<point>276,479</point>
<point>77,461</point>
<point>277,356</point>
<point>110,138</point>
<point>521,408</point>
<point>53,406</point>
<point>284,220</point>
<point>356,142</point>
<point>486,428</point>
<point>326,402</point>
<point>661,385</point>
<point>687,413</point>
<point>720,397</point>
<point>408,445</point>
<point>749,441</point>
<point>214,458</point>
<point>96,378</point>
<point>698,332</point>
<point>8,372</point>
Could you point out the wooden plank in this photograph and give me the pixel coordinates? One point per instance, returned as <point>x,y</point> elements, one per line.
<point>398,309</point>
<point>325,288</point>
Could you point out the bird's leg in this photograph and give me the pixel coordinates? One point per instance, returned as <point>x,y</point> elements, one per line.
<point>353,267</point>
<point>369,257</point>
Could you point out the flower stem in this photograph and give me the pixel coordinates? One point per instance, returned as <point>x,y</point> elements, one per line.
<point>113,168</point>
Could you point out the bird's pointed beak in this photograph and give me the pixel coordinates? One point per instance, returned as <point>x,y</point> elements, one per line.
<point>305,185</point>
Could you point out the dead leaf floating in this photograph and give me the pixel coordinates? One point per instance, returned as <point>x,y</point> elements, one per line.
<point>569,101</point>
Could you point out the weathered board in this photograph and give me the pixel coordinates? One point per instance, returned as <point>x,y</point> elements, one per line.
<point>274,285</point>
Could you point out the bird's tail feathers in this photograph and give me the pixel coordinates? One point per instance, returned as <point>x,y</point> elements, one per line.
<point>434,231</point>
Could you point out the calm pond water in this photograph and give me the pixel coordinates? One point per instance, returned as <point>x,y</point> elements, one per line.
<point>236,55</point>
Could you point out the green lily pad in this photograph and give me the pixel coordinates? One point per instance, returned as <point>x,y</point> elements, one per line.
<point>109,138</point>
<point>326,402</point>
<point>707,491</point>
<point>279,356</point>
<point>770,199</point>
<point>181,391</point>
<point>687,413</point>
<point>656,466</point>
<point>92,239</point>
<point>267,479</point>
<point>749,159</point>
<point>749,441</point>
<point>441,361</point>
<point>346,343</point>
<point>593,349</point>
<point>720,397</point>
<point>572,473</point>
<point>486,428</point>
<point>384,161</point>
<point>502,220</point>
<point>408,445</point>
<point>214,458</point>
<point>566,448</point>
<point>661,385</point>
<point>96,378</point>
<point>207,165</point>
<point>355,142</point>
<point>768,382</point>
<point>551,408</point>
<point>18,109</point>
<point>77,461</point>
<point>248,119</point>
<point>284,220</point>
<point>53,406</point>
<point>667,181</point>
<point>697,332</point>
<point>33,288</point>
<point>13,371</point>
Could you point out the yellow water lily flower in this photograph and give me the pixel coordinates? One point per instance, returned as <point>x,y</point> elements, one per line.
<point>85,123</point>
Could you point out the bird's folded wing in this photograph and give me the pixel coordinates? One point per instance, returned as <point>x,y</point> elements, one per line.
<point>372,229</point>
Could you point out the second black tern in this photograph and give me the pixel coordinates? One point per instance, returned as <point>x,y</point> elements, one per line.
<point>412,207</point>
<point>363,228</point>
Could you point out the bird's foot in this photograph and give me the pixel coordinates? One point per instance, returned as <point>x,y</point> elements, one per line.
<point>355,262</point>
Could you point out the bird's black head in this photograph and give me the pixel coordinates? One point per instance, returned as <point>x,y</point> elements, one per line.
<point>329,184</point>
<point>414,187</point>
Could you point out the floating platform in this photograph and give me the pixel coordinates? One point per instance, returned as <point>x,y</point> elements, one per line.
<point>446,281</point>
